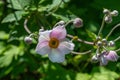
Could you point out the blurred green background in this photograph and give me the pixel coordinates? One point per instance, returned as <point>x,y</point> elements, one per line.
<point>19,61</point>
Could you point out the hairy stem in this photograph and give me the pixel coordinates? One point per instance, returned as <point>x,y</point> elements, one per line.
<point>80,40</point>
<point>117,39</point>
<point>112,30</point>
<point>86,52</point>
<point>25,26</point>
<point>102,25</point>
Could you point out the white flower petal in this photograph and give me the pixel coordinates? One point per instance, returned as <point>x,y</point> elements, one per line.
<point>44,35</point>
<point>56,56</point>
<point>43,48</point>
<point>65,47</point>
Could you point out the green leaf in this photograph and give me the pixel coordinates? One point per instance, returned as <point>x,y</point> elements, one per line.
<point>3,35</point>
<point>91,35</point>
<point>10,53</point>
<point>15,4</point>
<point>82,76</point>
<point>13,17</point>
<point>104,74</point>
<point>54,4</point>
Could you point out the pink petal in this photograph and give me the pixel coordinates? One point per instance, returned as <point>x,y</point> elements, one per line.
<point>56,56</point>
<point>58,32</point>
<point>66,47</point>
<point>112,56</point>
<point>42,48</point>
<point>45,35</point>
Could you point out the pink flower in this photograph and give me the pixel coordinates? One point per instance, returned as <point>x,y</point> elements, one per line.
<point>54,43</point>
<point>111,56</point>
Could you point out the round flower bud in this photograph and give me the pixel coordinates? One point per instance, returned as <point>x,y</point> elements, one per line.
<point>99,43</point>
<point>94,59</point>
<point>78,22</point>
<point>106,11</point>
<point>98,38</point>
<point>108,19</point>
<point>114,13</point>
<point>104,41</point>
<point>111,44</point>
<point>28,40</point>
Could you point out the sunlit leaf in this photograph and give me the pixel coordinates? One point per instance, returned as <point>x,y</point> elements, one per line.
<point>13,17</point>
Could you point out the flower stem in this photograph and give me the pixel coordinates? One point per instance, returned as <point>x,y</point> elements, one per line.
<point>112,30</point>
<point>117,50</point>
<point>86,52</point>
<point>80,40</point>
<point>25,26</point>
<point>68,22</point>
<point>102,25</point>
<point>117,39</point>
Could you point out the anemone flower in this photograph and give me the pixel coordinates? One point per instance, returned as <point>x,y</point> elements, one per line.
<point>54,43</point>
<point>112,56</point>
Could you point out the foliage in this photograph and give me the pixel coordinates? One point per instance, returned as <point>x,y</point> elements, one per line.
<point>19,61</point>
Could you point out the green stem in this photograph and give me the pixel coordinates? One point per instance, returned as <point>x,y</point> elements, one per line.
<point>80,40</point>
<point>86,52</point>
<point>102,25</point>
<point>112,30</point>
<point>25,26</point>
<point>117,39</point>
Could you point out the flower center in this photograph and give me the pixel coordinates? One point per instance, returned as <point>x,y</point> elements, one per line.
<point>53,43</point>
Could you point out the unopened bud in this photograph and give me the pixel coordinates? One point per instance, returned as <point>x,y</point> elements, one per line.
<point>99,43</point>
<point>106,11</point>
<point>78,22</point>
<point>111,44</point>
<point>104,41</point>
<point>114,13</point>
<point>108,19</point>
<point>94,59</point>
<point>98,38</point>
<point>28,40</point>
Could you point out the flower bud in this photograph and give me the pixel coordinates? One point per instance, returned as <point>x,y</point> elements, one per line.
<point>111,44</point>
<point>104,41</point>
<point>78,22</point>
<point>106,11</point>
<point>28,40</point>
<point>114,13</point>
<point>98,38</point>
<point>108,19</point>
<point>99,43</point>
<point>94,59</point>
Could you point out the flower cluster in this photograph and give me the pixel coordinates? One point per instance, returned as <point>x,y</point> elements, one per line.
<point>56,45</point>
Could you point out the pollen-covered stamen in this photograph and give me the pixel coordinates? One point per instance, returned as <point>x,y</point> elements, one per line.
<point>53,43</point>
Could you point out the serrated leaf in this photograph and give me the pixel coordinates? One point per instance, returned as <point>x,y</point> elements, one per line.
<point>8,55</point>
<point>54,4</point>
<point>91,35</point>
<point>11,17</point>
<point>14,4</point>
